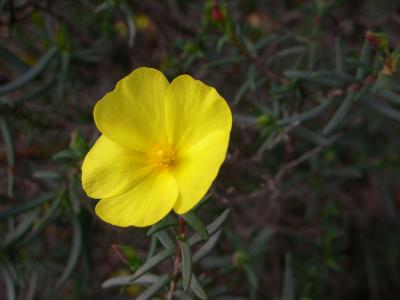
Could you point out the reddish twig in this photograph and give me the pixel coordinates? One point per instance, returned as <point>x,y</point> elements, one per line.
<point>294,163</point>
<point>177,260</point>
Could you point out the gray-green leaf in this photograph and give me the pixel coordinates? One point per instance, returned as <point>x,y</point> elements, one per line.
<point>186,264</point>
<point>194,221</point>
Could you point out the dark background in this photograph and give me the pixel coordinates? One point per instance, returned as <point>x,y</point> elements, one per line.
<point>311,177</point>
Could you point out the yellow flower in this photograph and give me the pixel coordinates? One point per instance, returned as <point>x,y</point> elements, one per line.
<point>161,147</point>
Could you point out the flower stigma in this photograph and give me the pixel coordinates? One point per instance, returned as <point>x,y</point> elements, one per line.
<point>162,156</point>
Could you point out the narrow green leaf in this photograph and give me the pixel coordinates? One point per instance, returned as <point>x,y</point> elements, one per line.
<point>20,230</point>
<point>356,63</point>
<point>207,247</point>
<point>165,239</point>
<point>382,82</point>
<point>343,77</point>
<point>288,291</point>
<point>17,209</point>
<point>217,224</point>
<point>314,77</point>
<point>223,61</point>
<point>285,53</point>
<point>197,289</point>
<point>312,136</point>
<point>248,44</point>
<point>9,283</point>
<point>151,291</point>
<point>126,280</point>
<point>340,56</point>
<point>31,74</point>
<point>212,228</point>
<point>312,56</point>
<point>246,120</point>
<point>35,93</point>
<point>284,37</point>
<point>364,59</point>
<point>252,279</point>
<point>168,221</point>
<point>395,98</point>
<point>186,264</point>
<point>5,131</point>
<point>340,113</point>
<point>76,250</point>
<point>62,76</point>
<point>104,6</point>
<point>72,193</point>
<point>138,277</point>
<point>48,218</point>
<point>342,172</point>
<point>264,41</point>
<point>47,175</point>
<point>153,247</point>
<point>221,42</point>
<point>240,93</point>
<point>127,11</point>
<point>153,261</point>
<point>308,115</point>
<point>261,239</point>
<point>11,58</point>
<point>386,187</point>
<point>88,56</point>
<point>194,221</point>
<point>128,255</point>
<point>382,108</point>
<point>33,281</point>
<point>251,77</point>
<point>64,154</point>
<point>181,295</point>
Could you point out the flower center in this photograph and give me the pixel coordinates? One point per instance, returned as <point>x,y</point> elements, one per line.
<point>162,156</point>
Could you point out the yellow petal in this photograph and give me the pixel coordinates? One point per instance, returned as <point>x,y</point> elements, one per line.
<point>196,168</point>
<point>194,111</point>
<point>133,114</point>
<point>144,205</point>
<point>109,170</point>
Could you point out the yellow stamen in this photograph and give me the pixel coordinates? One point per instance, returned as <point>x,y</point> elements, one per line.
<point>162,156</point>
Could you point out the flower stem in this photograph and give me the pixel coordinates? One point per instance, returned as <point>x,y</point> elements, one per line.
<point>177,259</point>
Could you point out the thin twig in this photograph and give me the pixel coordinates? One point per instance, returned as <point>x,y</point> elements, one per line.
<point>294,163</point>
<point>177,260</point>
<point>369,80</point>
<point>175,275</point>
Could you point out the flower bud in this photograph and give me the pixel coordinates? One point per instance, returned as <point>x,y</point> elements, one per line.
<point>216,12</point>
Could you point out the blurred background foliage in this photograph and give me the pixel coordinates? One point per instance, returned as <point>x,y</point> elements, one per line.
<point>312,174</point>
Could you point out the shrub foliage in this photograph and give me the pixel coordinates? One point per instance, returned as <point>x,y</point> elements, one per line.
<point>307,203</point>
